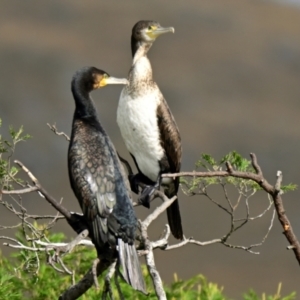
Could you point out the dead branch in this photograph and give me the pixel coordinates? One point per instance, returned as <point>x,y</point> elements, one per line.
<point>50,245</point>
<point>54,129</point>
<point>74,221</point>
<point>45,194</point>
<point>18,192</point>
<point>160,209</point>
<point>70,246</point>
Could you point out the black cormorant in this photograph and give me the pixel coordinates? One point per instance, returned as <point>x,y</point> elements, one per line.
<point>147,125</point>
<point>99,181</point>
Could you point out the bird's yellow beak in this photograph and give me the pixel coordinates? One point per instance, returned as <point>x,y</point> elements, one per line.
<point>155,31</point>
<point>105,80</point>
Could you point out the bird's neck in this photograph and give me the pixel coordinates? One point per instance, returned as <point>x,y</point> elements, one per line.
<point>141,69</point>
<point>84,103</point>
<point>139,49</point>
<point>139,45</point>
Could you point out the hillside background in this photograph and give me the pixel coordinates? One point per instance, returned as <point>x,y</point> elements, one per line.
<point>231,75</point>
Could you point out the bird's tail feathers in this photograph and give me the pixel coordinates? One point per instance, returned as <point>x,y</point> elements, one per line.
<point>131,268</point>
<point>173,213</point>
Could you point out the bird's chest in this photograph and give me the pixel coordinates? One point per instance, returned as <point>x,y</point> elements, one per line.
<point>137,120</point>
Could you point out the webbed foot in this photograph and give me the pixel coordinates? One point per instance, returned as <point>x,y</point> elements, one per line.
<point>146,195</point>
<point>136,181</point>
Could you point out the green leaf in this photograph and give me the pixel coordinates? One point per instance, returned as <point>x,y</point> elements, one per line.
<point>289,187</point>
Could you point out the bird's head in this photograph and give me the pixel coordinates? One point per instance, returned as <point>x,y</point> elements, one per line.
<point>101,79</point>
<point>148,31</point>
<point>91,78</point>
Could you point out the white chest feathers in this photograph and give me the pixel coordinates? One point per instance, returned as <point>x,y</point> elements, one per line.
<point>138,125</point>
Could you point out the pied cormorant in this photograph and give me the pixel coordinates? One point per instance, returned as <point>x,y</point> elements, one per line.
<point>147,125</point>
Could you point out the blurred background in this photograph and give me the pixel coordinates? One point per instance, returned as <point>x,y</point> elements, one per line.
<point>230,74</point>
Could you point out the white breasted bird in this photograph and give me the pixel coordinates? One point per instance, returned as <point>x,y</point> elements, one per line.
<point>148,127</point>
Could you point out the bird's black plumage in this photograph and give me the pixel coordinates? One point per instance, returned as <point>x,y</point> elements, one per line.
<point>148,126</point>
<point>99,182</point>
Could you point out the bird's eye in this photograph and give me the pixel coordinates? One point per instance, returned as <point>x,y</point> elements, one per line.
<point>150,28</point>
<point>105,75</point>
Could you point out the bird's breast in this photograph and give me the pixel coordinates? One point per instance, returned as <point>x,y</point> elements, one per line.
<point>137,121</point>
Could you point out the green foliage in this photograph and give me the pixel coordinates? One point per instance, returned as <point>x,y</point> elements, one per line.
<point>8,289</point>
<point>198,185</point>
<point>8,173</point>
<point>208,163</point>
<point>18,281</point>
<point>251,295</point>
<point>196,287</point>
<point>289,187</point>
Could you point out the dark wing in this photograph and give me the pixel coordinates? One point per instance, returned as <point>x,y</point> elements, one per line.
<point>99,204</point>
<point>170,138</point>
<point>118,161</point>
<point>171,163</point>
<point>92,178</point>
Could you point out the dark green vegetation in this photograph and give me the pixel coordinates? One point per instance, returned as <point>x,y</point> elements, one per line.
<point>21,277</point>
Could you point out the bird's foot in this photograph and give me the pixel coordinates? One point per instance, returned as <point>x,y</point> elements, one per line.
<point>134,183</point>
<point>147,193</point>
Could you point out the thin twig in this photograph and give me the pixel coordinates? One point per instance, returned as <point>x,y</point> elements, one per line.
<point>22,191</point>
<point>47,196</point>
<point>54,129</point>
<point>160,209</point>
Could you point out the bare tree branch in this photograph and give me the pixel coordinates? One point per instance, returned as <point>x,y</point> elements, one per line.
<point>46,195</point>
<point>285,223</point>
<point>74,221</point>
<point>82,242</point>
<point>160,209</point>
<point>22,191</point>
